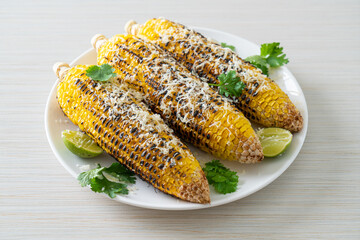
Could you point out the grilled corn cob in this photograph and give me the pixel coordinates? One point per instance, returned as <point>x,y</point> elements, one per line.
<point>262,101</point>
<point>128,131</point>
<point>195,111</point>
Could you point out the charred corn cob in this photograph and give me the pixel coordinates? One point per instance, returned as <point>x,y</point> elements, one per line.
<point>262,101</point>
<point>128,131</point>
<point>195,111</point>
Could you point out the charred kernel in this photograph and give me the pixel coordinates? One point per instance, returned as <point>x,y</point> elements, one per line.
<point>247,101</point>
<point>99,130</point>
<point>121,145</point>
<point>154,158</point>
<point>112,140</point>
<point>141,162</point>
<point>136,148</point>
<point>143,153</point>
<point>179,157</point>
<point>196,112</point>
<point>124,148</point>
<point>243,97</point>
<point>161,166</point>
<point>150,167</point>
<point>153,146</point>
<point>175,154</point>
<point>154,171</point>
<point>256,84</point>
<point>96,126</point>
<point>148,156</point>
<point>121,135</point>
<point>208,136</point>
<point>250,91</point>
<point>133,129</point>
<point>136,157</point>
<point>116,141</point>
<point>169,159</point>
<point>131,155</point>
<point>255,93</point>
<point>146,164</point>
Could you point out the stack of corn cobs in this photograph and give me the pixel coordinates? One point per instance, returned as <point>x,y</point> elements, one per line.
<point>161,93</point>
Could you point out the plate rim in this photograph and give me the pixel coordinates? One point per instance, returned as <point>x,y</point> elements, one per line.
<point>194,206</point>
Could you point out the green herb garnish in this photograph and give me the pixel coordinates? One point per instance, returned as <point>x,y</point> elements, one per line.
<point>100,73</point>
<point>222,178</point>
<point>228,46</point>
<point>230,84</point>
<point>271,55</point>
<point>112,180</point>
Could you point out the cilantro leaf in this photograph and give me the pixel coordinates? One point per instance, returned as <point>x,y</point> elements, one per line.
<point>230,84</point>
<point>224,45</point>
<point>259,62</point>
<point>85,177</point>
<point>121,173</point>
<point>271,55</point>
<point>100,73</point>
<point>115,184</point>
<point>110,188</point>
<point>222,178</point>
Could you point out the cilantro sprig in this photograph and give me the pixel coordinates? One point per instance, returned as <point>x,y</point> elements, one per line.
<point>230,84</point>
<point>222,178</point>
<point>100,73</point>
<point>111,180</point>
<point>271,55</point>
<point>224,45</point>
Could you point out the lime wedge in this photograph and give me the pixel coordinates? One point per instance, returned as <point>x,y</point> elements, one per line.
<point>80,144</point>
<point>274,141</point>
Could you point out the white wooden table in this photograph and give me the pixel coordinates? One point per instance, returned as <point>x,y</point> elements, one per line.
<point>318,197</point>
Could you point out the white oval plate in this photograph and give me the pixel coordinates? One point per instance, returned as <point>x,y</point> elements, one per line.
<point>251,177</point>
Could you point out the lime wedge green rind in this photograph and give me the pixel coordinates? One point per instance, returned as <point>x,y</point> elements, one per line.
<point>80,144</point>
<point>274,141</point>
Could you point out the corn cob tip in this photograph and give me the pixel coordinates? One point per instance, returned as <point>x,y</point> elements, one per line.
<point>97,41</point>
<point>252,151</point>
<point>60,68</point>
<point>196,192</point>
<point>295,122</point>
<point>132,27</point>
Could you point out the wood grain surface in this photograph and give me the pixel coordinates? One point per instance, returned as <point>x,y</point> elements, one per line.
<point>318,197</point>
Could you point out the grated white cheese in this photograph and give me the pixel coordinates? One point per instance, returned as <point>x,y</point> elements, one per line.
<point>216,57</point>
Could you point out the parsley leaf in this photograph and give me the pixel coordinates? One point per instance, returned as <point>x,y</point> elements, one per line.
<point>100,73</point>
<point>224,45</point>
<point>230,84</point>
<point>112,180</point>
<point>222,178</point>
<point>271,55</point>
